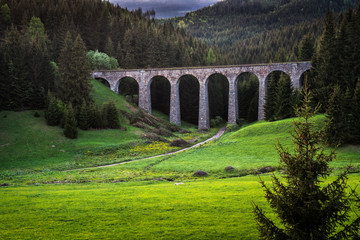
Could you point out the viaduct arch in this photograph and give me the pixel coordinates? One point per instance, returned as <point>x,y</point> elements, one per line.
<point>202,74</point>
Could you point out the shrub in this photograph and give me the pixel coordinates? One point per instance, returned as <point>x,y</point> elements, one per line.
<point>200,173</point>
<point>229,169</point>
<point>36,114</point>
<point>179,143</point>
<point>216,121</point>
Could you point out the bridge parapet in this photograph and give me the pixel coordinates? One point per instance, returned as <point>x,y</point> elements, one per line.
<point>145,76</point>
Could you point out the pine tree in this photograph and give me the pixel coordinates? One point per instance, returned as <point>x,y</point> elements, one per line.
<point>325,72</point>
<point>306,49</point>
<point>211,58</point>
<point>283,98</point>
<point>74,70</point>
<point>70,125</point>
<point>112,116</point>
<point>84,117</point>
<point>109,47</point>
<point>335,119</point>
<point>307,209</point>
<point>53,113</point>
<point>356,133</point>
<point>270,103</point>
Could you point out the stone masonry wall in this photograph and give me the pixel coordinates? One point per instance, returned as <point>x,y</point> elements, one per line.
<point>144,78</point>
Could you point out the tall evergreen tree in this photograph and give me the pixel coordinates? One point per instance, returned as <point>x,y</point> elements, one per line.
<point>74,72</point>
<point>306,49</point>
<point>70,125</point>
<point>112,116</point>
<point>325,72</point>
<point>283,107</point>
<point>335,118</point>
<point>307,209</point>
<point>271,95</point>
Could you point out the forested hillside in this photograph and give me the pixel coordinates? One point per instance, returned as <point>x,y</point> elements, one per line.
<point>33,35</point>
<point>260,31</point>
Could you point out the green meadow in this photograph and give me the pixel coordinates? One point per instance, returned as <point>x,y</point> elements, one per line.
<point>53,187</point>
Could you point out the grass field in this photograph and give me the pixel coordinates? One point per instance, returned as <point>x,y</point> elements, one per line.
<point>198,209</point>
<point>136,200</point>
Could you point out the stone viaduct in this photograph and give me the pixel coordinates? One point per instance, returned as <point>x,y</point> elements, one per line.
<point>144,78</point>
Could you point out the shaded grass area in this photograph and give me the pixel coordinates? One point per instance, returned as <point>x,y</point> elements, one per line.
<point>28,143</point>
<point>198,209</point>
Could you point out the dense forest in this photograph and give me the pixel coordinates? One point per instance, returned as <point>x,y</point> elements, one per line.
<point>33,35</point>
<point>259,31</point>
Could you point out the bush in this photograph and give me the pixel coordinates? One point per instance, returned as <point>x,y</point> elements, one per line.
<point>216,121</point>
<point>229,169</point>
<point>200,173</point>
<point>36,114</point>
<point>179,143</point>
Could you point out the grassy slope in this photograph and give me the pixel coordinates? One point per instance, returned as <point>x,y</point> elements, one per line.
<point>249,148</point>
<point>26,141</point>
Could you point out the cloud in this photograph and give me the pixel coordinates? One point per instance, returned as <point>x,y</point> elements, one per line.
<point>165,8</point>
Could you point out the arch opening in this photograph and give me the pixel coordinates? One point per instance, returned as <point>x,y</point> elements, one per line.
<point>305,76</point>
<point>129,88</point>
<point>280,96</point>
<point>248,97</point>
<point>218,93</point>
<point>160,89</point>
<point>103,81</point>
<point>189,89</point>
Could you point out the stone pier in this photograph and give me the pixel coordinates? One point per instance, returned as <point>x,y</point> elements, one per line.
<point>144,78</point>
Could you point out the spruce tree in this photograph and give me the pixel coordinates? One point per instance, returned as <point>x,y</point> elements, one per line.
<point>84,117</point>
<point>112,116</point>
<point>336,123</point>
<point>307,208</point>
<point>53,113</point>
<point>270,103</point>
<point>306,49</point>
<point>74,70</point>
<point>356,133</point>
<point>70,125</point>
<point>283,108</point>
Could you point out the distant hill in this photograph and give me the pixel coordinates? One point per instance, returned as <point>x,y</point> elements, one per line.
<point>251,31</point>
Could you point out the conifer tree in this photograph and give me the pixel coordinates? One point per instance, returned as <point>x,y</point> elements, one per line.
<point>109,47</point>
<point>324,71</point>
<point>70,125</point>
<point>307,209</point>
<point>211,58</point>
<point>306,49</point>
<point>84,117</point>
<point>74,70</point>
<point>356,129</point>
<point>270,103</point>
<point>335,119</point>
<point>283,108</point>
<point>112,116</point>
<point>53,113</point>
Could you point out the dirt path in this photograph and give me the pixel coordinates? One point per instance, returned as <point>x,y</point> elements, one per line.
<point>216,136</point>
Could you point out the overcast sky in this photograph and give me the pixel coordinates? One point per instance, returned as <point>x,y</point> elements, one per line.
<point>165,8</point>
